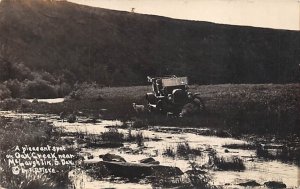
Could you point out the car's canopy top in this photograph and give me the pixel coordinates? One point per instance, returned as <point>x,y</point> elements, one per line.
<point>174,81</point>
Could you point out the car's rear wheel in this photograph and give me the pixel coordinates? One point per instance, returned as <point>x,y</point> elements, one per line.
<point>161,106</point>
<point>151,108</point>
<point>150,97</point>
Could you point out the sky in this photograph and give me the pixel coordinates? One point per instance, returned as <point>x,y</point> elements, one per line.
<point>279,14</point>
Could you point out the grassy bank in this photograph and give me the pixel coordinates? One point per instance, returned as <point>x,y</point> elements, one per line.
<point>33,134</point>
<point>242,109</point>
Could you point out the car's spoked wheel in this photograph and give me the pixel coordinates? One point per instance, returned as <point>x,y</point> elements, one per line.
<point>161,106</point>
<point>150,108</point>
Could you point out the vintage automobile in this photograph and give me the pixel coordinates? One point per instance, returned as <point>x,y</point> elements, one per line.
<point>170,94</point>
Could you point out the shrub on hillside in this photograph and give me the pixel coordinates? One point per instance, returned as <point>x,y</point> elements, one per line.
<point>14,104</point>
<point>11,70</point>
<point>47,77</point>
<point>63,89</point>
<point>21,72</point>
<point>15,87</point>
<point>86,91</point>
<point>4,92</point>
<point>39,89</point>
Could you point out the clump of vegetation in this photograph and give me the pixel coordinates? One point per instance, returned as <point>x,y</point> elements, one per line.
<point>112,135</point>
<point>71,118</point>
<point>284,153</point>
<point>233,163</point>
<point>4,92</point>
<point>35,85</point>
<point>124,125</point>
<point>86,91</point>
<point>262,152</point>
<point>138,137</point>
<point>91,140</point>
<point>39,89</point>
<point>15,87</point>
<point>22,82</point>
<point>199,178</point>
<point>14,104</point>
<point>184,150</point>
<point>169,151</point>
<point>139,123</point>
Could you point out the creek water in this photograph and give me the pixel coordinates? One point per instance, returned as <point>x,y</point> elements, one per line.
<point>52,100</point>
<point>256,169</point>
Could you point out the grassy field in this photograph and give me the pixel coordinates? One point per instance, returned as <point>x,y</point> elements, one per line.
<point>240,108</point>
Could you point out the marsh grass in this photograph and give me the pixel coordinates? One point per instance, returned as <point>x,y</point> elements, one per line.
<point>225,164</point>
<point>184,150</point>
<point>233,163</point>
<point>169,152</point>
<point>92,140</point>
<point>284,153</point>
<point>112,135</point>
<point>137,137</point>
<point>112,138</point>
<point>198,178</point>
<point>108,139</point>
<point>140,139</point>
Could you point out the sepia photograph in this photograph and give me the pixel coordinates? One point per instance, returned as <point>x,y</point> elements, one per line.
<point>142,94</point>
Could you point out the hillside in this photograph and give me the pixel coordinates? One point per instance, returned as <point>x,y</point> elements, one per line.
<point>81,43</point>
